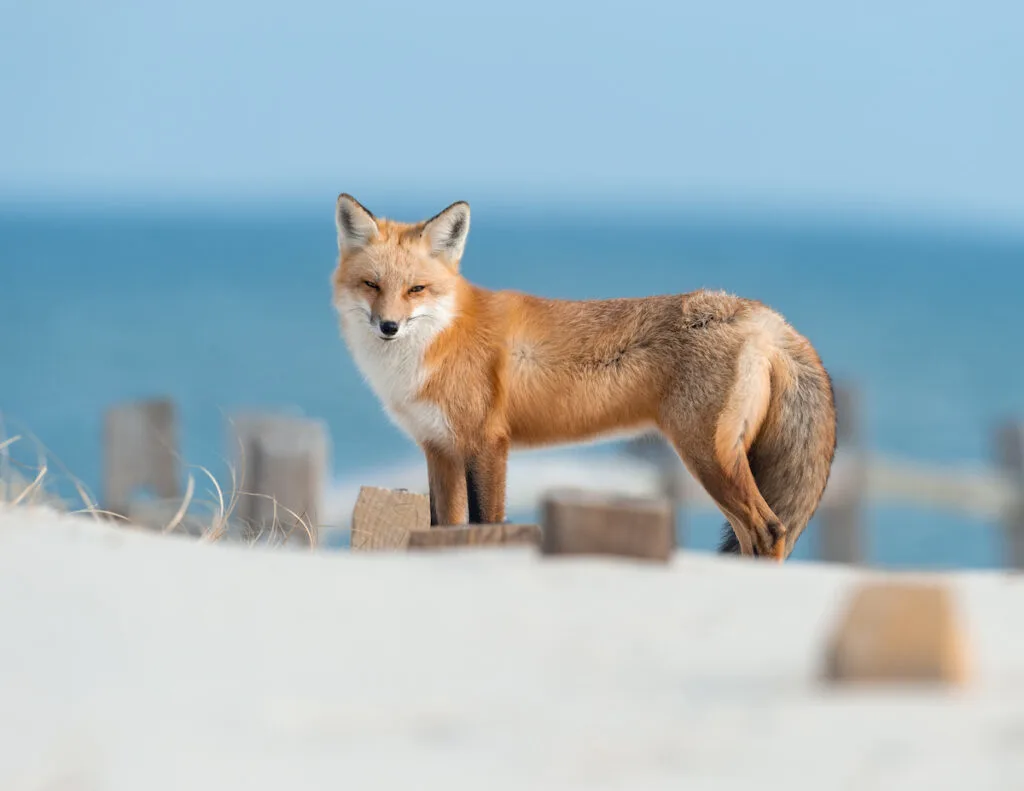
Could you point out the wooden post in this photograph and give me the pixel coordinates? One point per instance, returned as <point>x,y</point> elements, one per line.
<point>579,522</point>
<point>504,534</point>
<point>140,451</point>
<point>1010,456</point>
<point>385,518</point>
<point>897,632</point>
<point>281,468</point>
<point>840,515</point>
<point>654,448</point>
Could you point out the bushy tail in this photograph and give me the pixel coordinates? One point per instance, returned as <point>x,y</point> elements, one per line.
<point>791,458</point>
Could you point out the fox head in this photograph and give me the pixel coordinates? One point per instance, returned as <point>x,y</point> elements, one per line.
<point>395,280</point>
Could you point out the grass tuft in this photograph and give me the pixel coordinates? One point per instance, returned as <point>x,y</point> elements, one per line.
<point>210,519</point>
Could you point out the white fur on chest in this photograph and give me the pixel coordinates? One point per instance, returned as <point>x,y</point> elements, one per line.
<point>396,373</point>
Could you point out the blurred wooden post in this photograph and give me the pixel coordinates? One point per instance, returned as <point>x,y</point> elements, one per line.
<point>140,451</point>
<point>898,632</point>
<point>840,515</point>
<point>281,469</point>
<point>1010,456</point>
<point>654,448</point>
<point>580,522</point>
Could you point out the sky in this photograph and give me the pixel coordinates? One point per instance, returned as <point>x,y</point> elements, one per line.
<point>915,106</point>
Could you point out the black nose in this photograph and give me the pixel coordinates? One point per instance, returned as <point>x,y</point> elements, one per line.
<point>389,328</point>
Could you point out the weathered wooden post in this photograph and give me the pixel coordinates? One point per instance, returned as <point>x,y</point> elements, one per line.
<point>140,451</point>
<point>383,519</point>
<point>840,515</point>
<point>281,469</point>
<point>1010,457</point>
<point>653,448</point>
<point>587,523</point>
<point>456,536</point>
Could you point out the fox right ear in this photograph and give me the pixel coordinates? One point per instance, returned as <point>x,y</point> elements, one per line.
<point>356,224</point>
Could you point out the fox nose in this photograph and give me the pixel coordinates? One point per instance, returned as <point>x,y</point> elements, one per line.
<point>389,328</point>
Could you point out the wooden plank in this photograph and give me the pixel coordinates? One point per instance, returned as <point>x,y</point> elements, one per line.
<point>898,632</point>
<point>140,453</point>
<point>383,518</point>
<point>580,522</point>
<point>282,469</point>
<point>475,535</point>
<point>1010,457</point>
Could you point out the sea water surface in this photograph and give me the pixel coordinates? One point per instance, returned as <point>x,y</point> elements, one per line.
<point>227,310</point>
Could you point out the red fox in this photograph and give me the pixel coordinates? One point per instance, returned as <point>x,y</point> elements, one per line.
<point>469,373</point>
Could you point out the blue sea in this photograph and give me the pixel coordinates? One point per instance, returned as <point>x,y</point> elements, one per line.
<point>230,308</point>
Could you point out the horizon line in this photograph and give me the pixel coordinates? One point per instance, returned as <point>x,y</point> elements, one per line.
<point>390,201</point>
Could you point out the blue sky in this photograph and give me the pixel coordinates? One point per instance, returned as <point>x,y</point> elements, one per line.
<point>916,106</point>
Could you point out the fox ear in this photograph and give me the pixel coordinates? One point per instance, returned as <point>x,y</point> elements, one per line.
<point>356,224</point>
<point>447,232</point>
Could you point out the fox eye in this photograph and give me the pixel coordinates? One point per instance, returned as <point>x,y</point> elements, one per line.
<point>416,289</point>
<point>371,284</point>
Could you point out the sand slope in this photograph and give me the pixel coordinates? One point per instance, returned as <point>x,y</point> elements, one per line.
<point>132,661</point>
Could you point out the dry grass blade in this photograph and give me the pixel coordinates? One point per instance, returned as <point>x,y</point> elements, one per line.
<point>299,520</point>
<point>183,509</point>
<point>35,485</point>
<point>93,511</point>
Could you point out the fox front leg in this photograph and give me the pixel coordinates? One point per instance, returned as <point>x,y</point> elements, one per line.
<point>446,474</point>
<point>485,482</point>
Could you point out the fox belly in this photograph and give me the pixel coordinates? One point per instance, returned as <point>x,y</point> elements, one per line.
<point>586,410</point>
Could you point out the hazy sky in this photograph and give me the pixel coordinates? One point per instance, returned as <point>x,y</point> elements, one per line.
<point>918,105</point>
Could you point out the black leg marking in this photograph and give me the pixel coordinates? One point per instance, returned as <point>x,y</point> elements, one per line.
<point>476,516</point>
<point>433,509</point>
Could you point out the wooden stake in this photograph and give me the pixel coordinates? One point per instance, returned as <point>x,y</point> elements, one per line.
<point>384,518</point>
<point>140,452</point>
<point>579,522</point>
<point>898,632</point>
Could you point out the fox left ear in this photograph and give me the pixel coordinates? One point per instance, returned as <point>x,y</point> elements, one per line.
<point>447,232</point>
<point>356,224</point>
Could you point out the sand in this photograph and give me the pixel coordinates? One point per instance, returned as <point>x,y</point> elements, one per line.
<point>135,661</point>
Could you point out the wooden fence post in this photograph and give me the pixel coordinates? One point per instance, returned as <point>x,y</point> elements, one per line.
<point>457,536</point>
<point>281,468</point>
<point>1010,456</point>
<point>140,451</point>
<point>840,516</point>
<point>579,522</point>
<point>654,448</point>
<point>385,518</point>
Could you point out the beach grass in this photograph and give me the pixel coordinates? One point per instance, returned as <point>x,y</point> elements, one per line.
<point>30,474</point>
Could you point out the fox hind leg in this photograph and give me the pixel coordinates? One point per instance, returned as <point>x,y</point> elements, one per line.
<point>718,457</point>
<point>734,490</point>
<point>720,464</point>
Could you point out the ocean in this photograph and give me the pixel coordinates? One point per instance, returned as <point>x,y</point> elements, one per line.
<point>224,310</point>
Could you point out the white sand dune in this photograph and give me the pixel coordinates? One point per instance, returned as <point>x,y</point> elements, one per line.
<point>132,661</point>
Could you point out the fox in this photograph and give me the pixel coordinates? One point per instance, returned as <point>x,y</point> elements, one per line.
<point>469,374</point>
